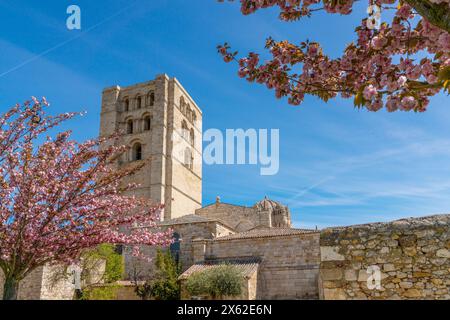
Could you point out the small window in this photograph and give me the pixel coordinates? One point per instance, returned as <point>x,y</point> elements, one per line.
<point>182,105</point>
<point>184,130</point>
<point>130,126</point>
<point>189,113</point>
<point>118,249</point>
<point>147,123</point>
<point>151,99</point>
<point>137,152</point>
<point>192,137</point>
<point>188,158</point>
<point>126,104</point>
<point>175,247</point>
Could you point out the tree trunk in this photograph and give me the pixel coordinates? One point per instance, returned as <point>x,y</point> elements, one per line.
<point>436,14</point>
<point>10,289</point>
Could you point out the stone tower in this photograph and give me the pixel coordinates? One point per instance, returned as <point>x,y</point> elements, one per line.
<point>162,122</point>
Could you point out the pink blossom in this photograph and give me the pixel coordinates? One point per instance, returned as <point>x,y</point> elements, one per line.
<point>384,62</point>
<point>59,197</point>
<point>408,103</point>
<point>369,92</point>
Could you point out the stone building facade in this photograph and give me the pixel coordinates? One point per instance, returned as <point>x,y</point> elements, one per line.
<point>288,260</point>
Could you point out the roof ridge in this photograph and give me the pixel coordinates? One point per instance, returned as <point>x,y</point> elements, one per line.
<point>266,233</point>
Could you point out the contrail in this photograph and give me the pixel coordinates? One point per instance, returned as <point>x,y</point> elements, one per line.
<point>315,185</point>
<point>45,52</point>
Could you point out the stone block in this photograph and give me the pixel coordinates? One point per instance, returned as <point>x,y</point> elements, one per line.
<point>443,253</point>
<point>334,294</point>
<point>331,254</point>
<point>331,274</point>
<point>350,275</point>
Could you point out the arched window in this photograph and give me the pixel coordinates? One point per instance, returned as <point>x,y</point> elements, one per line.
<point>139,102</point>
<point>130,126</point>
<point>189,113</point>
<point>137,152</point>
<point>151,98</point>
<point>188,158</point>
<point>184,130</point>
<point>182,105</point>
<point>194,118</point>
<point>175,246</point>
<point>126,104</point>
<point>147,123</point>
<point>192,137</point>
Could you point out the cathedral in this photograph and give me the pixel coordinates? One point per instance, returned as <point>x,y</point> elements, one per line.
<point>162,125</point>
<point>162,122</point>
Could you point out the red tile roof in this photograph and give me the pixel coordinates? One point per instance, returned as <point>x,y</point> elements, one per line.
<point>246,266</point>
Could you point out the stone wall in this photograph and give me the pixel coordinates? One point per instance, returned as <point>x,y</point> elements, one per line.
<point>238,217</point>
<point>29,288</point>
<point>40,284</point>
<point>413,256</point>
<point>289,265</point>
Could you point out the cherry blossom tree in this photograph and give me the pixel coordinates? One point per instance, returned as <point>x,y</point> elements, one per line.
<point>398,64</point>
<point>59,197</point>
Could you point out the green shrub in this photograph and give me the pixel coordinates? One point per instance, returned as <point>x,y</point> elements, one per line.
<point>218,282</point>
<point>102,288</point>
<point>107,292</point>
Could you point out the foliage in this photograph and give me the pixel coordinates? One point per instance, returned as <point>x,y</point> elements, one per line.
<point>165,285</point>
<point>106,292</point>
<point>398,65</point>
<point>114,264</point>
<point>217,282</point>
<point>59,197</point>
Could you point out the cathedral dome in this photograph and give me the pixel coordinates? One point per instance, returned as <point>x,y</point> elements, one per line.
<point>268,205</point>
<point>279,213</point>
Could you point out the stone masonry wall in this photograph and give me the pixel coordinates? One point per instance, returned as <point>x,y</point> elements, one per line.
<point>239,217</point>
<point>40,285</point>
<point>29,288</point>
<point>413,256</point>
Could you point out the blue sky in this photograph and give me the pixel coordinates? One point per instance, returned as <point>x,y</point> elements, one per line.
<point>338,165</point>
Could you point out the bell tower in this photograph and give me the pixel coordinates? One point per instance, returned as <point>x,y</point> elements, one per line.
<point>161,122</point>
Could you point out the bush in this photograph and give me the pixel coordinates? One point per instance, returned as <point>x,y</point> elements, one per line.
<point>218,282</point>
<point>108,292</point>
<point>102,288</point>
<point>165,284</point>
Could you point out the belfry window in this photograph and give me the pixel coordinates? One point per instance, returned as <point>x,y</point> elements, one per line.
<point>188,158</point>
<point>130,126</point>
<point>137,152</point>
<point>192,137</point>
<point>138,102</point>
<point>147,123</point>
<point>184,130</point>
<point>151,99</point>
<point>182,105</point>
